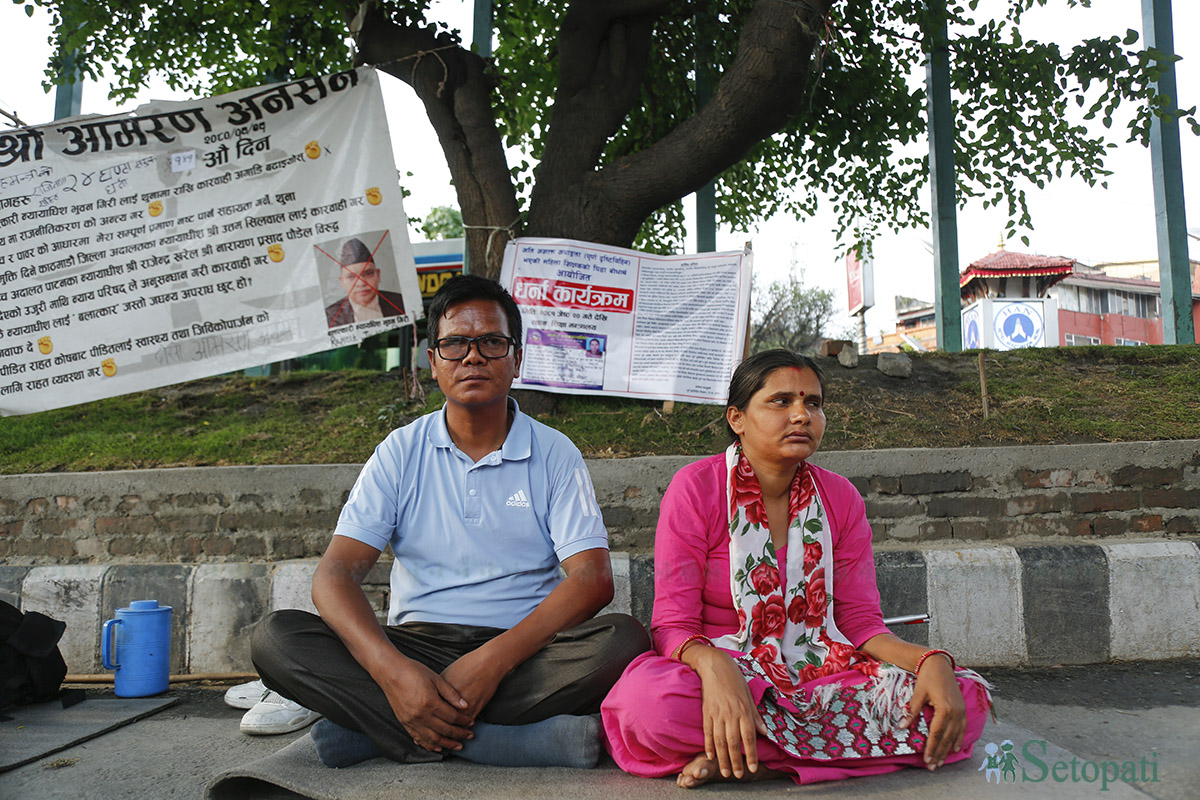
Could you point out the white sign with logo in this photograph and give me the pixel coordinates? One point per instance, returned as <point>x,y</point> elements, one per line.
<point>1010,323</point>
<point>1018,325</point>
<point>972,336</point>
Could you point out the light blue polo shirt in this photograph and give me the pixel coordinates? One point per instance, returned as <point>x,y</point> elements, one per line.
<point>475,543</point>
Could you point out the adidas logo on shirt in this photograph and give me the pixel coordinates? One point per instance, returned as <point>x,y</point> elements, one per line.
<point>519,499</point>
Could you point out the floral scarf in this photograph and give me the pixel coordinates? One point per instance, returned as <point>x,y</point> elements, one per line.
<point>789,630</point>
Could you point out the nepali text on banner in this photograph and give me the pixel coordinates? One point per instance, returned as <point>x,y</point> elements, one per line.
<point>196,238</point>
<point>606,320</point>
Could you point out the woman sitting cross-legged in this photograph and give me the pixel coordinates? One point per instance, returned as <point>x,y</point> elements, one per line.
<point>771,657</point>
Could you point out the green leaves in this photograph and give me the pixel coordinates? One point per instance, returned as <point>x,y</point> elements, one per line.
<point>858,144</point>
<point>442,222</point>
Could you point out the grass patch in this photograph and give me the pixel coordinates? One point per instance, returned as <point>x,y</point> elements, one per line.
<point>1066,395</point>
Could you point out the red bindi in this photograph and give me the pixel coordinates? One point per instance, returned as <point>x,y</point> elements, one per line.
<point>802,393</point>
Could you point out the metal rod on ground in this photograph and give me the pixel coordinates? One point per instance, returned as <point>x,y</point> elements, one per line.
<point>911,619</point>
<point>983,385</point>
<point>198,676</point>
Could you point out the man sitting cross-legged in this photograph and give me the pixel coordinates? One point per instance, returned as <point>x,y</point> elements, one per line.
<point>489,652</point>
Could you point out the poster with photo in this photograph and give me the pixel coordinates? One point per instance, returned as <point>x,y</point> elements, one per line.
<point>608,320</point>
<point>199,237</point>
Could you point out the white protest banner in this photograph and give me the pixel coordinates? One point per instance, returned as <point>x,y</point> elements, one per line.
<point>197,238</point>
<point>606,320</point>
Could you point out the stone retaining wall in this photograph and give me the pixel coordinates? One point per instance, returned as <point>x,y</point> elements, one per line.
<point>1043,555</point>
<point>234,515</point>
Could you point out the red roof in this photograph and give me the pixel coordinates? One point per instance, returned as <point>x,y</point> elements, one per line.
<point>1005,264</point>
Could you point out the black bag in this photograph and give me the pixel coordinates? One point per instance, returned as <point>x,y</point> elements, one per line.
<point>31,667</point>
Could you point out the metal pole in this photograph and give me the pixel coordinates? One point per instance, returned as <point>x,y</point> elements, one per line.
<point>706,196</point>
<point>68,96</point>
<point>1174,275</point>
<point>946,297</point>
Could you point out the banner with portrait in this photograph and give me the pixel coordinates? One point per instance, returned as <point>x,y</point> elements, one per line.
<point>606,320</point>
<point>195,238</point>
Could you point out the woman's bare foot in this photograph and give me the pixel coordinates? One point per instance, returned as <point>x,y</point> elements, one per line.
<point>701,769</point>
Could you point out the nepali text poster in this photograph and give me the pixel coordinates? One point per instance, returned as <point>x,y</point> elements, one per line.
<point>606,320</point>
<point>196,238</point>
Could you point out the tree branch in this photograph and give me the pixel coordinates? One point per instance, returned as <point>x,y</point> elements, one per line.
<point>452,85</point>
<point>603,50</point>
<point>767,84</point>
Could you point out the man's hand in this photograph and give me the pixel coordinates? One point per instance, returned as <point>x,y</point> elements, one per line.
<point>433,712</point>
<point>430,709</point>
<point>475,676</point>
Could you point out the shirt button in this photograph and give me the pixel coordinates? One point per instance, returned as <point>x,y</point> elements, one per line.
<point>472,493</point>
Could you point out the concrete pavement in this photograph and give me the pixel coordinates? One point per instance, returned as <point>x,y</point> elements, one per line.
<point>1142,719</point>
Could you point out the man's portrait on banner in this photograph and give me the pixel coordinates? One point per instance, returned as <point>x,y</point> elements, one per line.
<point>352,271</point>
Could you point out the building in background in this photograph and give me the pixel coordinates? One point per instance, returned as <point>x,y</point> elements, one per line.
<point>916,328</point>
<point>1004,274</point>
<point>1115,303</point>
<point>1106,303</point>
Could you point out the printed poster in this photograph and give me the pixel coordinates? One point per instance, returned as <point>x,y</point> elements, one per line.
<point>607,320</point>
<point>196,238</point>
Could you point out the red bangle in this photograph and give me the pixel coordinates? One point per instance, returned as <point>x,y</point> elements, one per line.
<point>929,653</point>
<point>695,637</point>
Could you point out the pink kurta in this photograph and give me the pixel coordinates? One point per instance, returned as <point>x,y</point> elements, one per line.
<point>652,717</point>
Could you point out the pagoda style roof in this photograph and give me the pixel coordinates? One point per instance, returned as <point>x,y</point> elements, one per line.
<point>1004,264</point>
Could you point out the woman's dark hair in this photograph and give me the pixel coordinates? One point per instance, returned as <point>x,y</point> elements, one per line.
<point>464,289</point>
<point>752,373</point>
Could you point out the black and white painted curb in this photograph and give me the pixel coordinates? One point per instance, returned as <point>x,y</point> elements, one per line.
<point>993,605</point>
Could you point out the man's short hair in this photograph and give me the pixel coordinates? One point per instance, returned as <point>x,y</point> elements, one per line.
<point>465,288</point>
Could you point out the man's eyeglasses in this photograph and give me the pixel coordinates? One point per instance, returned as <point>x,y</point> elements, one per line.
<point>455,348</point>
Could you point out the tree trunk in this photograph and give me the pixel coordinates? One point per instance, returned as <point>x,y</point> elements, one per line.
<point>604,47</point>
<point>452,85</point>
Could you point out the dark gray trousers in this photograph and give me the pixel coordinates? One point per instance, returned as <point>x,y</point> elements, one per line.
<point>299,656</point>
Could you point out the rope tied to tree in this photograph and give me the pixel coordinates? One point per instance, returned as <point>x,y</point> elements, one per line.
<point>495,229</point>
<point>421,54</point>
<point>387,66</point>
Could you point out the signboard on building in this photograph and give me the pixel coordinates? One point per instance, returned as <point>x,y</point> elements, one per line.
<point>437,262</point>
<point>860,282</point>
<point>1010,323</point>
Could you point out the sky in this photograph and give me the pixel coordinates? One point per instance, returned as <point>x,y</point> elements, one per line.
<point>1070,219</point>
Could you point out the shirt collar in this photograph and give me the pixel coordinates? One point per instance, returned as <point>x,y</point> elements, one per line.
<point>516,447</point>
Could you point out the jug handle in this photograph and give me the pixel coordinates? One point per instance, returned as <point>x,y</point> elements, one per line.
<point>106,643</point>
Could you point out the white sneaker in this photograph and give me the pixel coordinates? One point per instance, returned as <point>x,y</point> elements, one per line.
<point>245,695</point>
<point>276,714</point>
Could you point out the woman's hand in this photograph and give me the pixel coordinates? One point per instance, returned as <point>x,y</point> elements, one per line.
<point>731,722</point>
<point>937,688</point>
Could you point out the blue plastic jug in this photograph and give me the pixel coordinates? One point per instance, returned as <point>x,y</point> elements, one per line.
<point>137,644</point>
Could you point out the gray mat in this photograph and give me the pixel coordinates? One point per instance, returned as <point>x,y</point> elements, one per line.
<point>295,772</point>
<point>39,730</point>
